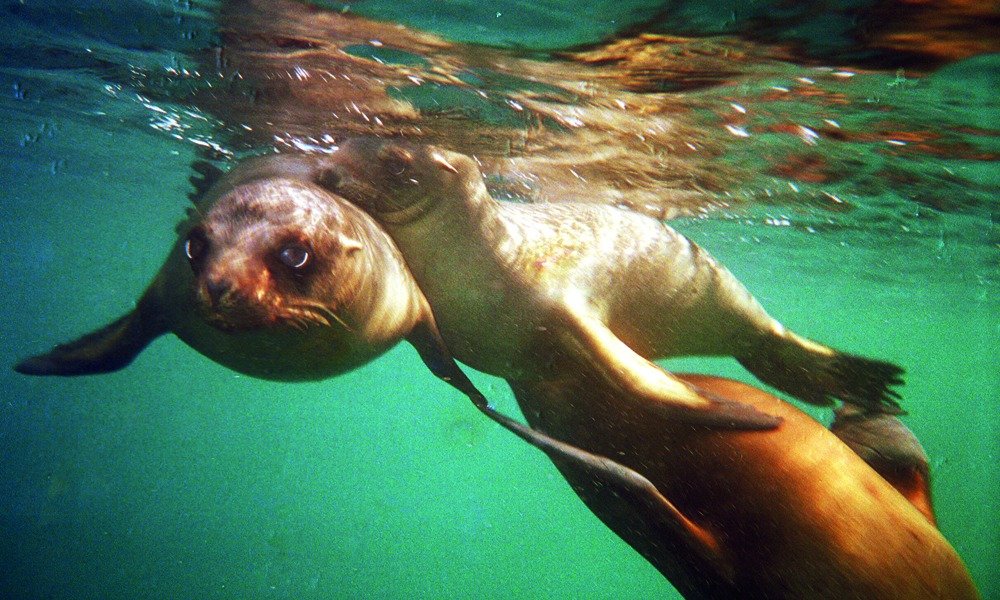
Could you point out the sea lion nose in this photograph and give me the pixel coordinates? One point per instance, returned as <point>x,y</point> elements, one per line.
<point>217,289</point>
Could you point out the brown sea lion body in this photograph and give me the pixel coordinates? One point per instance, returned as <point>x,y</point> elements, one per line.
<point>521,291</point>
<point>787,514</point>
<point>233,287</point>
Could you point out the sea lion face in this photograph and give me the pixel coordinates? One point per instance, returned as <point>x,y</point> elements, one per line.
<point>272,254</point>
<point>396,182</point>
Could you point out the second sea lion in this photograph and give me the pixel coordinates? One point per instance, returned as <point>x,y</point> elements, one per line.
<point>529,291</point>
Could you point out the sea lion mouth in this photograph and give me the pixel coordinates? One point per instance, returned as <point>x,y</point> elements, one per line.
<point>300,316</point>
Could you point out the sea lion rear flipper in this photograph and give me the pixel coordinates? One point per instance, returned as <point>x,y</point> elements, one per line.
<point>110,348</point>
<point>820,375</point>
<point>891,449</point>
<point>639,378</point>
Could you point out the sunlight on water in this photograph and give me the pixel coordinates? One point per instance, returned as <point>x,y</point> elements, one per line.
<point>858,203</point>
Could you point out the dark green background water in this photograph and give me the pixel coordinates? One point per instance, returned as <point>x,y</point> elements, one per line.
<point>176,478</point>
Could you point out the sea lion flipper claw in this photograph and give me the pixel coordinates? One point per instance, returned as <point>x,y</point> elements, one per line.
<point>662,393</point>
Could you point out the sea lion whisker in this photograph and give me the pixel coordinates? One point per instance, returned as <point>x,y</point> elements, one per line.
<point>336,318</point>
<point>319,313</point>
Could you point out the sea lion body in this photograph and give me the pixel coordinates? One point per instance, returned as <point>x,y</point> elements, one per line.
<point>657,291</point>
<point>789,513</point>
<point>532,291</point>
<point>227,290</point>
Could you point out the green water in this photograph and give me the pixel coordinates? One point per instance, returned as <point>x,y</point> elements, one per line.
<point>176,478</point>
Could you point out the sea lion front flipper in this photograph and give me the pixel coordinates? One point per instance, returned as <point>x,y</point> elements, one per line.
<point>891,449</point>
<point>427,341</point>
<point>110,348</point>
<point>639,378</point>
<point>621,486</point>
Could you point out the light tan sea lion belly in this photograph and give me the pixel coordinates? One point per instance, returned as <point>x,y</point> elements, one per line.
<point>522,291</point>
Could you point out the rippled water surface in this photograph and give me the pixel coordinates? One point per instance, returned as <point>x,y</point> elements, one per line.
<point>853,187</point>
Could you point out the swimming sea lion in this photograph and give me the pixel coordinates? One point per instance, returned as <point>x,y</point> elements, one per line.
<point>523,290</point>
<point>279,279</point>
<point>271,276</point>
<point>790,513</point>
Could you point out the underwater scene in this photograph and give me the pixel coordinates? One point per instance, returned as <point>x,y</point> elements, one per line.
<point>840,161</point>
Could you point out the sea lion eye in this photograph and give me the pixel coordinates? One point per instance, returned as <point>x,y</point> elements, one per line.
<point>195,246</point>
<point>395,160</point>
<point>295,256</point>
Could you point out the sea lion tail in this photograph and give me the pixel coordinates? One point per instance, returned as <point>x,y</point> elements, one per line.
<point>110,348</point>
<point>819,375</point>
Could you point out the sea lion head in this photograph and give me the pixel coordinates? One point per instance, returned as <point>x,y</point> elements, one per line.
<point>271,276</point>
<point>399,182</point>
<point>272,254</point>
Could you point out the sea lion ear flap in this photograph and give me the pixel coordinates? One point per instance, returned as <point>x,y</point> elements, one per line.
<point>442,162</point>
<point>350,245</point>
<point>110,348</point>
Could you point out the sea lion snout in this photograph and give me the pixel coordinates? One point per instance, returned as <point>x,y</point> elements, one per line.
<point>232,304</point>
<point>217,289</point>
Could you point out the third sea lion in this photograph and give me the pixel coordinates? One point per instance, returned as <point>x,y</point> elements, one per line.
<point>787,514</point>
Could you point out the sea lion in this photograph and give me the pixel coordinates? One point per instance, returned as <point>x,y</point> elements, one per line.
<point>790,513</point>
<point>533,291</point>
<point>233,287</point>
<point>271,276</point>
